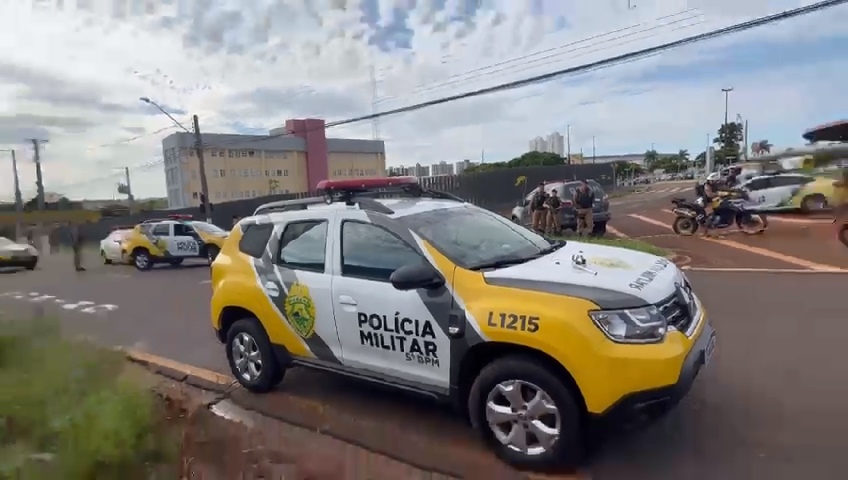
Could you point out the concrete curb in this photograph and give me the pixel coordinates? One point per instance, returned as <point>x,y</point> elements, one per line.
<point>299,412</point>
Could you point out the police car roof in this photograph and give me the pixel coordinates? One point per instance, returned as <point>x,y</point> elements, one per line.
<point>400,207</point>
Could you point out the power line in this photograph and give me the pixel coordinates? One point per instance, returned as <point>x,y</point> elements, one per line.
<point>605,63</point>
<point>132,139</point>
<point>588,67</point>
<point>528,59</point>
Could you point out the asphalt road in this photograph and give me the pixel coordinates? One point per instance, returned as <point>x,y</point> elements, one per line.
<point>771,405</point>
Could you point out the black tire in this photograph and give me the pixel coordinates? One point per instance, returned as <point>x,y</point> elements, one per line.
<point>813,203</point>
<point>568,449</point>
<point>106,261</point>
<point>843,235</point>
<point>145,265</point>
<point>212,252</point>
<point>599,229</point>
<point>746,229</point>
<point>685,226</point>
<point>32,265</point>
<point>271,373</point>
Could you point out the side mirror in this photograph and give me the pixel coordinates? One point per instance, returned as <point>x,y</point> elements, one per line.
<point>419,275</point>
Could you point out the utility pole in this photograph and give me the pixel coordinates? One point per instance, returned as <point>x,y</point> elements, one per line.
<point>593,149</point>
<point>745,139</point>
<point>19,203</point>
<point>568,144</point>
<point>204,187</point>
<point>130,197</point>
<point>375,99</point>
<point>726,101</point>
<point>39,179</point>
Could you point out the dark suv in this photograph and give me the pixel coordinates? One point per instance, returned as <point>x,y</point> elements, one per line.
<point>568,216</point>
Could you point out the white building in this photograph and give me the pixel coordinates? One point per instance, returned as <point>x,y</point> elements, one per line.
<point>556,144</point>
<point>442,168</point>
<point>538,144</point>
<point>462,165</point>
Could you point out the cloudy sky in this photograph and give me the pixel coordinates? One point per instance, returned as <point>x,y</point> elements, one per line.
<point>72,71</point>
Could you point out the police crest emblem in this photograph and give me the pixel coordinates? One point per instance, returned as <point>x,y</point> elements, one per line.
<point>300,310</point>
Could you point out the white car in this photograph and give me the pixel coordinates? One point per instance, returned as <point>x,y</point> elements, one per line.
<point>110,247</point>
<point>772,191</point>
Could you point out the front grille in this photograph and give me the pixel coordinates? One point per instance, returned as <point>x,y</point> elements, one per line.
<point>678,315</point>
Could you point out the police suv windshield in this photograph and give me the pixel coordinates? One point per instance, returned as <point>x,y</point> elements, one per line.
<point>474,238</point>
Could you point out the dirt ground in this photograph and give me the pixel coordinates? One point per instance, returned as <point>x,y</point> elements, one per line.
<point>250,446</point>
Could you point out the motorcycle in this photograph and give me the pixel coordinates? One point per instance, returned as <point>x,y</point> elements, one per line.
<point>732,210</point>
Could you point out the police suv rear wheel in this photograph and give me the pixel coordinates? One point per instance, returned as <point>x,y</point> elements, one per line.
<point>526,414</point>
<point>212,253</point>
<point>142,260</point>
<point>251,357</point>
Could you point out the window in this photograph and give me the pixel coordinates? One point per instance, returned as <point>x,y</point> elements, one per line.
<point>759,184</point>
<point>208,228</point>
<point>787,181</point>
<point>245,172</point>
<point>372,252</point>
<point>279,173</point>
<point>222,172</point>
<point>161,230</point>
<point>230,153</point>
<point>471,236</point>
<point>182,230</point>
<point>232,172</point>
<point>303,245</point>
<point>255,239</point>
<point>194,195</point>
<point>250,153</point>
<point>267,173</point>
<point>214,153</point>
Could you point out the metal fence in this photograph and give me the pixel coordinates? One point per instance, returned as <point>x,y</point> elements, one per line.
<point>496,190</point>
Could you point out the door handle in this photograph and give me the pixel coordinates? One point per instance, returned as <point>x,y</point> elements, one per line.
<point>347,300</point>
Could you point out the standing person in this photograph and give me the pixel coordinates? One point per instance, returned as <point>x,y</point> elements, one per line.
<point>54,238</point>
<point>554,207</point>
<point>537,207</point>
<point>76,244</point>
<point>584,198</point>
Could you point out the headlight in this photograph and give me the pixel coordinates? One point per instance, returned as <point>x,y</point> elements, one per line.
<point>634,325</point>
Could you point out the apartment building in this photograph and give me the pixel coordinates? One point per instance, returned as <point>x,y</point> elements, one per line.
<point>293,158</point>
<point>442,168</point>
<point>462,165</point>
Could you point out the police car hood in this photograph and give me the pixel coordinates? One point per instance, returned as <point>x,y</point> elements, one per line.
<point>609,273</point>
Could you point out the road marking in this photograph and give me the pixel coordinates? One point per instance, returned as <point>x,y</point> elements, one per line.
<point>207,282</point>
<point>155,360</point>
<point>759,270</point>
<point>807,221</point>
<point>751,249</point>
<point>88,307</point>
<point>616,232</point>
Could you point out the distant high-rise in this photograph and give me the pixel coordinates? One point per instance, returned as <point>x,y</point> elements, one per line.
<point>442,168</point>
<point>538,144</point>
<point>556,143</point>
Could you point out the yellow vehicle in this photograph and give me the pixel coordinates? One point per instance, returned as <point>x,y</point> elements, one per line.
<point>171,241</point>
<point>818,195</point>
<point>535,341</point>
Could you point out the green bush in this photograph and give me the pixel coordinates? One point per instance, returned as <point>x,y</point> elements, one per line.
<point>67,410</point>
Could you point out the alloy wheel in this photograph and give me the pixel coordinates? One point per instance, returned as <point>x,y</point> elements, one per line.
<point>523,417</point>
<point>246,357</point>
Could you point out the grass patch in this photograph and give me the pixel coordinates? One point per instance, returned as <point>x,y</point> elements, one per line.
<point>69,411</point>
<point>627,243</point>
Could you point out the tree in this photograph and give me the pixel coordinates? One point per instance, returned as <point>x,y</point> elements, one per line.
<point>683,155</point>
<point>625,169</point>
<point>651,158</point>
<point>528,159</point>
<point>700,160</point>
<point>730,135</point>
<point>273,185</point>
<point>760,147</point>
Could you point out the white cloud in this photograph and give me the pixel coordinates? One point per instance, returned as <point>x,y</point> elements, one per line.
<point>75,76</point>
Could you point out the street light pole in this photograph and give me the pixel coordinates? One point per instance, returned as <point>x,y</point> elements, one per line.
<point>19,202</point>
<point>198,145</point>
<point>204,187</point>
<point>726,101</point>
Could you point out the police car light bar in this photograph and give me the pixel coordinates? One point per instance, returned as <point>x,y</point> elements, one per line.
<point>365,184</point>
<point>180,216</point>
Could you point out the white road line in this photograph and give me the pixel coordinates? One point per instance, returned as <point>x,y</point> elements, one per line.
<point>616,232</point>
<point>751,249</point>
<point>802,221</point>
<point>207,282</point>
<point>759,270</point>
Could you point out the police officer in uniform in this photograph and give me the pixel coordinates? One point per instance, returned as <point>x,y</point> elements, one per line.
<point>537,208</point>
<point>554,205</point>
<point>584,199</point>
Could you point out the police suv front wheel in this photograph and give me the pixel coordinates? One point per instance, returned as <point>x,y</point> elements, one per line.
<point>251,357</point>
<point>526,414</point>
